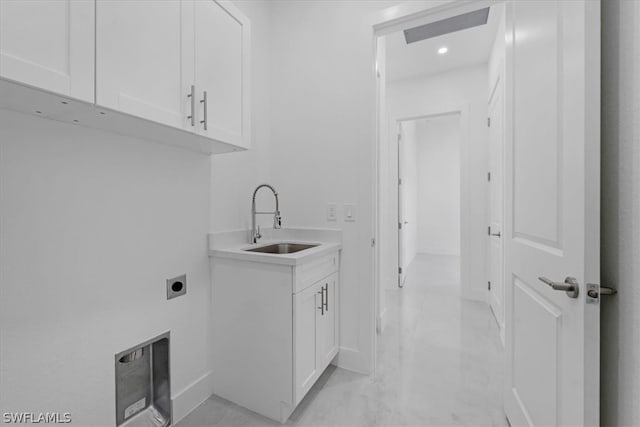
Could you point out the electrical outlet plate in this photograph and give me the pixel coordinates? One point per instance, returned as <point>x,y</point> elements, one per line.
<point>177,286</point>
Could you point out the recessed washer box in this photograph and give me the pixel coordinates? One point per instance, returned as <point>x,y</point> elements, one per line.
<point>143,384</point>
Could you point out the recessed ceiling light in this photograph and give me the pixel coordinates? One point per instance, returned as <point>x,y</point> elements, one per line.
<point>443,50</point>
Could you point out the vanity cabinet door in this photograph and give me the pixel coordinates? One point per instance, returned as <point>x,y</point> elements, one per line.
<point>49,44</point>
<point>145,59</point>
<point>222,42</point>
<point>327,331</point>
<point>307,313</point>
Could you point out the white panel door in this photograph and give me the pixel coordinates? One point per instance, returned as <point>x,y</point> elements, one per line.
<point>222,40</point>
<point>49,44</point>
<point>552,212</point>
<point>496,205</point>
<point>307,305</point>
<point>145,59</point>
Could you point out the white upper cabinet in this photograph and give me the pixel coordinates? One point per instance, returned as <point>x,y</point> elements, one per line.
<point>49,44</point>
<point>144,62</point>
<point>222,77</point>
<point>181,65</point>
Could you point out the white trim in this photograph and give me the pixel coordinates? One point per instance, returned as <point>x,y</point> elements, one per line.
<point>191,397</point>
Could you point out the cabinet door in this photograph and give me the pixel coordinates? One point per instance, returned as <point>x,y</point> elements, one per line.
<point>307,311</point>
<point>49,44</point>
<point>145,59</point>
<point>327,331</point>
<point>222,41</point>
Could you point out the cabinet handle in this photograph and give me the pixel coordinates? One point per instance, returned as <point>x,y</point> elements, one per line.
<point>192,95</point>
<point>204,101</point>
<point>325,292</point>
<point>321,308</point>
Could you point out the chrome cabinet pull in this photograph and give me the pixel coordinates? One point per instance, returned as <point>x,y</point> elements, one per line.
<point>192,95</point>
<point>321,308</point>
<point>204,101</point>
<point>570,286</point>
<point>325,293</point>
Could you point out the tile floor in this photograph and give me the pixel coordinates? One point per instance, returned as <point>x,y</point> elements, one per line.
<point>439,364</point>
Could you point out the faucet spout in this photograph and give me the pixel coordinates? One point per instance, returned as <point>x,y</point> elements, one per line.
<point>277,219</point>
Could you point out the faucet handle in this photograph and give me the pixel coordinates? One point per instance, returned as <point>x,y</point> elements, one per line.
<point>277,220</point>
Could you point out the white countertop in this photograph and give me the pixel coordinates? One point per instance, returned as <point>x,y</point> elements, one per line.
<point>240,252</point>
<point>232,245</point>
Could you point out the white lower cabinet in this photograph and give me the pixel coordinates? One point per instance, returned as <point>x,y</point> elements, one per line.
<point>314,333</point>
<point>275,330</point>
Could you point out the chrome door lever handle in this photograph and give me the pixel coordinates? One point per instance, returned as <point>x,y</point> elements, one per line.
<point>594,291</point>
<point>495,234</point>
<point>570,286</point>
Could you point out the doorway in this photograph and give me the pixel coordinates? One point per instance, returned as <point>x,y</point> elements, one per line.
<point>429,169</point>
<point>549,228</point>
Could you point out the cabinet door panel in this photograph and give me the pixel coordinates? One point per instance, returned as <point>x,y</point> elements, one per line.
<point>306,315</point>
<point>143,60</point>
<point>49,44</point>
<point>327,343</point>
<point>221,69</point>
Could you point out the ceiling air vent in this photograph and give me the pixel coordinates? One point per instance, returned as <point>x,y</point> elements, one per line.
<point>446,26</point>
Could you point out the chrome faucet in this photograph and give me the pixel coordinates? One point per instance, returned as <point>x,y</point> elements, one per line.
<point>277,219</point>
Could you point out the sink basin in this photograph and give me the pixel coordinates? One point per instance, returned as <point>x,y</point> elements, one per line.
<point>281,248</point>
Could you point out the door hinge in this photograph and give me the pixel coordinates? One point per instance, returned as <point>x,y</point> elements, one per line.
<point>399,226</point>
<point>489,285</point>
<point>489,176</point>
<point>373,241</point>
<point>399,181</point>
<point>489,231</point>
<point>488,121</point>
<point>399,270</point>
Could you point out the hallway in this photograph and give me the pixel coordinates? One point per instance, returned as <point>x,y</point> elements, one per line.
<point>439,364</point>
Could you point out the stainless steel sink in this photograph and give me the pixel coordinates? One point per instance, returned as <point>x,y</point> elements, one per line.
<point>281,248</point>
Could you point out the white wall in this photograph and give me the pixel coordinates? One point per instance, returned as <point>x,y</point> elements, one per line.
<point>409,188</point>
<point>438,166</point>
<point>463,89</point>
<point>235,175</point>
<point>92,225</point>
<point>620,250</point>
<point>323,131</point>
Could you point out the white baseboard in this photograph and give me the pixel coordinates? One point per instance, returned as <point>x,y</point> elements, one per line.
<point>352,360</point>
<point>191,397</point>
<point>474,294</point>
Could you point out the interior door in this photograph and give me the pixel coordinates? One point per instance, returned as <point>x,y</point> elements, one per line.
<point>402,273</point>
<point>144,59</point>
<point>496,206</point>
<point>49,44</point>
<point>552,211</point>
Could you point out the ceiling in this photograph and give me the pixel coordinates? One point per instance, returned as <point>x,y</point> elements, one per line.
<point>466,48</point>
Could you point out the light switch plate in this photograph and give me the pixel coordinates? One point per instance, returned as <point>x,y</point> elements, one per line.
<point>349,210</point>
<point>332,212</point>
